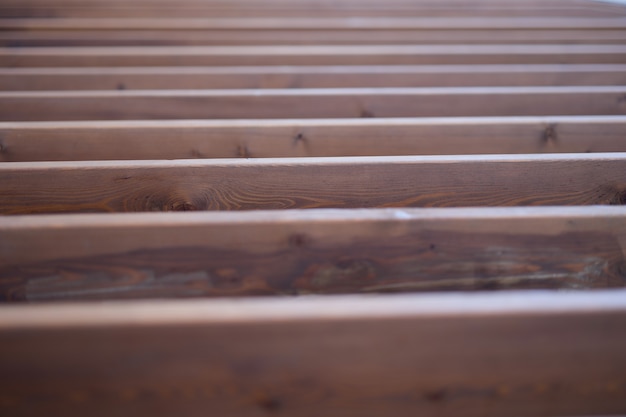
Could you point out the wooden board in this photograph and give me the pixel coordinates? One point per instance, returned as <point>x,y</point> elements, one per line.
<point>548,354</point>
<point>462,54</point>
<point>359,182</point>
<point>348,76</point>
<point>312,103</point>
<point>184,139</point>
<point>310,251</point>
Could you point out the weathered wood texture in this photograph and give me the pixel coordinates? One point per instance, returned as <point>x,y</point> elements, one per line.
<point>188,139</point>
<point>312,103</point>
<point>402,181</point>
<point>463,54</point>
<point>311,251</point>
<point>546,354</point>
<point>131,78</point>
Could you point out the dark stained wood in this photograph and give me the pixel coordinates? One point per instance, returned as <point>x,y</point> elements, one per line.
<point>462,54</point>
<point>309,251</point>
<point>125,78</point>
<point>548,354</point>
<point>185,139</point>
<point>312,103</point>
<point>360,182</point>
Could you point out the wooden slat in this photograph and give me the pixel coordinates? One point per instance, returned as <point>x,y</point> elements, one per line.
<point>16,79</point>
<point>548,354</point>
<point>60,38</point>
<point>309,251</point>
<point>182,139</point>
<point>309,23</point>
<point>312,103</point>
<point>403,181</point>
<point>312,55</point>
<point>496,9</point>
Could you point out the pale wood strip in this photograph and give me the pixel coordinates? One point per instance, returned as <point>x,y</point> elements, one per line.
<point>182,139</point>
<point>282,183</point>
<point>546,354</point>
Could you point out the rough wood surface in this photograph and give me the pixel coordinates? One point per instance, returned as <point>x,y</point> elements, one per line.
<point>401,181</point>
<point>301,252</point>
<point>186,139</point>
<point>463,54</point>
<point>312,103</point>
<point>548,354</point>
<point>131,78</point>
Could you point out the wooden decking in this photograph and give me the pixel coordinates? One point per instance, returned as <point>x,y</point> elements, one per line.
<point>312,208</point>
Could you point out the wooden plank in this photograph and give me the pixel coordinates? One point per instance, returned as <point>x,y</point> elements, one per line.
<point>498,9</point>
<point>312,55</point>
<point>159,255</point>
<point>183,139</point>
<point>547,354</point>
<point>311,23</point>
<point>400,181</point>
<point>132,78</point>
<point>68,38</point>
<point>312,103</point>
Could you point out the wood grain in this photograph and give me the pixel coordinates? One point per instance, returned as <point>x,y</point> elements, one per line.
<point>309,252</point>
<point>336,356</point>
<point>462,54</point>
<point>132,78</point>
<point>187,139</point>
<point>359,182</point>
<point>312,103</point>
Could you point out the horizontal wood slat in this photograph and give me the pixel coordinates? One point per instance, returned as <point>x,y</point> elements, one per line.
<point>310,251</point>
<point>547,354</point>
<point>409,181</point>
<point>312,103</point>
<point>461,54</point>
<point>184,139</point>
<point>24,79</point>
<point>20,9</point>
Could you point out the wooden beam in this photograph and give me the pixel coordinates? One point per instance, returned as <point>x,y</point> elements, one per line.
<point>402,181</point>
<point>16,79</point>
<point>190,9</point>
<point>184,139</point>
<point>311,103</point>
<point>309,252</point>
<point>69,38</point>
<point>537,353</point>
<point>310,23</point>
<point>462,54</point>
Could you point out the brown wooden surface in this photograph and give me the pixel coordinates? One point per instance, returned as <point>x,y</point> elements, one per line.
<point>548,354</point>
<point>131,78</point>
<point>21,9</point>
<point>309,251</point>
<point>463,54</point>
<point>312,103</point>
<point>272,183</point>
<point>186,139</point>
